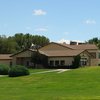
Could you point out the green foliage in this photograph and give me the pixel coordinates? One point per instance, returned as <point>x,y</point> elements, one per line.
<point>95,41</point>
<point>4,69</point>
<point>20,41</point>
<point>18,71</point>
<point>38,58</point>
<point>76,62</point>
<point>25,41</point>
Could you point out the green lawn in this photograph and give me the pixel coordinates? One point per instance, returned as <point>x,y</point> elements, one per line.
<point>78,84</point>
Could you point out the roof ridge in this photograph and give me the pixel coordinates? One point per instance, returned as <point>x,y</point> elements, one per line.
<point>63,45</point>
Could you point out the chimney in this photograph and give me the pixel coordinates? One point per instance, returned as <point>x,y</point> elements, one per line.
<point>73,43</point>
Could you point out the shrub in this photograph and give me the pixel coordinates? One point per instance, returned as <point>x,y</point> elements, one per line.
<point>76,62</point>
<point>18,71</point>
<point>4,69</point>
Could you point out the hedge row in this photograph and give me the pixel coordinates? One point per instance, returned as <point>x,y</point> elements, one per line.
<point>14,71</point>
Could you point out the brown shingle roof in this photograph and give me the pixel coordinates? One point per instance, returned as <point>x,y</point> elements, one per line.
<point>62,53</point>
<point>5,56</point>
<point>21,52</point>
<point>61,44</point>
<point>82,46</point>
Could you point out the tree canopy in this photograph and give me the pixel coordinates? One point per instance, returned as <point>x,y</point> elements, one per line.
<point>20,41</point>
<point>95,41</point>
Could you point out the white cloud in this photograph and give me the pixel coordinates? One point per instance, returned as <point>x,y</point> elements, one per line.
<point>90,21</point>
<point>42,29</point>
<point>39,12</point>
<point>64,41</point>
<point>68,41</point>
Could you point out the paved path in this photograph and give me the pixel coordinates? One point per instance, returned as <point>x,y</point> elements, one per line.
<point>3,75</point>
<point>57,70</point>
<point>62,70</point>
<point>42,72</point>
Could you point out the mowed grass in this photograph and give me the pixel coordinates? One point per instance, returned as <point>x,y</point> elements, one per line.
<point>77,84</point>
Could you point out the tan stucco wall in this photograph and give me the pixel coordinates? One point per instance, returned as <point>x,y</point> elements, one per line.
<point>7,62</point>
<point>54,46</point>
<point>26,54</point>
<point>95,62</point>
<point>86,55</point>
<point>68,60</point>
<point>14,61</point>
<point>96,51</point>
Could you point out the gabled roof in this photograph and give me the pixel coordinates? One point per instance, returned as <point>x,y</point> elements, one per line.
<point>62,53</point>
<point>63,45</point>
<point>22,51</point>
<point>73,50</point>
<point>85,47</point>
<point>5,56</point>
<point>79,47</point>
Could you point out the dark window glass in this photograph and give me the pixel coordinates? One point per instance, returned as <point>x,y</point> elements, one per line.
<point>56,62</point>
<point>52,63</point>
<point>62,62</point>
<point>99,55</point>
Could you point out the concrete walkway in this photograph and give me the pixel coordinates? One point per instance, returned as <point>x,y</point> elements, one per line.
<point>62,70</point>
<point>56,70</point>
<point>3,75</point>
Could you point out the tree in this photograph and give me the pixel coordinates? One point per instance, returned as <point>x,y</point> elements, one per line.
<point>27,40</point>
<point>19,38</point>
<point>20,41</point>
<point>76,62</point>
<point>36,58</point>
<point>95,41</point>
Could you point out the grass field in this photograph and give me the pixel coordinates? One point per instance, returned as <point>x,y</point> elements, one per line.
<point>78,84</point>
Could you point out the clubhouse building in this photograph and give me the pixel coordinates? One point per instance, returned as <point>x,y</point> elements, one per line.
<point>60,54</point>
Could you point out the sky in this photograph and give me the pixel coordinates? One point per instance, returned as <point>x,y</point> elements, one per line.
<point>59,20</point>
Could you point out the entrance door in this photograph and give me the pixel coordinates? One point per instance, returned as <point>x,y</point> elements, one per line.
<point>83,61</point>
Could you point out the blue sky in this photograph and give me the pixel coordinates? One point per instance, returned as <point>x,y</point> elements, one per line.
<point>55,19</point>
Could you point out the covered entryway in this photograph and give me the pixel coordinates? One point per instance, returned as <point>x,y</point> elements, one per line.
<point>26,61</point>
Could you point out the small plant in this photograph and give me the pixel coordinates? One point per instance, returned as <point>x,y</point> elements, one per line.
<point>18,70</point>
<point>4,69</point>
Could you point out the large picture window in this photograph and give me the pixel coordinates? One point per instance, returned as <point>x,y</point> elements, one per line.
<point>83,61</point>
<point>57,63</point>
<point>62,62</point>
<point>51,63</point>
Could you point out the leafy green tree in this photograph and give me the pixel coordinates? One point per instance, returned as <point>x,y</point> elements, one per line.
<point>76,62</point>
<point>27,40</point>
<point>36,58</point>
<point>95,41</point>
<point>20,41</point>
<point>19,38</point>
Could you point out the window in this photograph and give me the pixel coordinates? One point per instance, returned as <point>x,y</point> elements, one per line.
<point>99,55</point>
<point>57,63</point>
<point>83,61</point>
<point>51,63</point>
<point>62,62</point>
